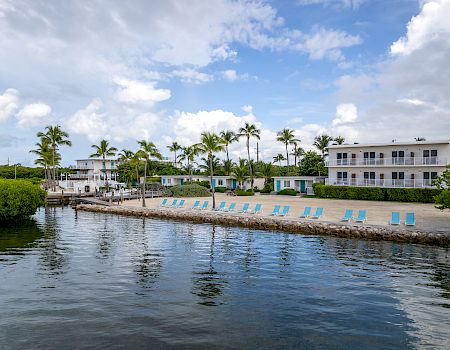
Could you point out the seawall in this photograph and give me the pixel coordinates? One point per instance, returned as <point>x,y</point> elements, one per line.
<point>293,225</point>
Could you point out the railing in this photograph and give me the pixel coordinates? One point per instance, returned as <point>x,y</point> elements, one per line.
<point>388,161</point>
<point>400,183</point>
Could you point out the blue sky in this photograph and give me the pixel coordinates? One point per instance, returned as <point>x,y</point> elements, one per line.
<point>168,70</point>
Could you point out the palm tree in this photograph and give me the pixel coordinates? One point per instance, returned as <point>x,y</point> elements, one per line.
<point>148,150</point>
<point>297,153</point>
<point>286,136</point>
<point>228,137</point>
<point>45,157</point>
<point>227,166</point>
<point>248,131</point>
<point>189,154</point>
<point>321,143</point>
<point>206,164</point>
<point>339,140</point>
<point>278,158</point>
<point>103,150</point>
<point>174,147</point>
<point>125,155</point>
<point>267,171</point>
<point>210,144</point>
<point>240,172</point>
<point>55,137</point>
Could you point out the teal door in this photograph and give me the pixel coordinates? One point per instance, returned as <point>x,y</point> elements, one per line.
<point>234,184</point>
<point>278,187</point>
<point>214,183</point>
<point>302,186</point>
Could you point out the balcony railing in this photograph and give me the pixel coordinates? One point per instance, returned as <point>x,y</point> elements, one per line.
<point>398,161</point>
<point>400,183</point>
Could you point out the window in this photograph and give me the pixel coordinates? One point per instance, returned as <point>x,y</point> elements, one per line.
<point>433,175</point>
<point>287,183</point>
<point>394,154</point>
<point>426,153</point>
<point>220,182</point>
<point>401,154</point>
<point>339,156</point>
<point>339,174</point>
<point>426,176</point>
<point>394,176</point>
<point>434,152</point>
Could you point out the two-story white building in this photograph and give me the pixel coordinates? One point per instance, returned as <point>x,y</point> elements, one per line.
<point>397,164</point>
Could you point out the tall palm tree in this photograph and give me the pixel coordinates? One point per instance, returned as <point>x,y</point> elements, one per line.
<point>278,158</point>
<point>45,157</point>
<point>240,172</point>
<point>103,150</point>
<point>210,144</point>
<point>189,154</point>
<point>148,150</point>
<point>125,155</point>
<point>248,131</point>
<point>174,147</point>
<point>339,140</point>
<point>286,136</point>
<point>297,153</point>
<point>55,137</point>
<point>227,166</point>
<point>321,143</point>
<point>228,137</point>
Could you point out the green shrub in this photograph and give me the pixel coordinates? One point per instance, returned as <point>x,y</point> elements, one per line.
<point>443,199</point>
<point>267,188</point>
<point>420,195</point>
<point>248,192</point>
<point>19,199</point>
<point>288,192</point>
<point>201,183</point>
<point>193,190</point>
<point>220,189</point>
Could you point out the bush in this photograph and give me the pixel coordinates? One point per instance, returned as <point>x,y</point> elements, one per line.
<point>19,199</point>
<point>220,189</point>
<point>420,195</point>
<point>443,200</point>
<point>267,188</point>
<point>288,192</point>
<point>193,190</point>
<point>248,192</point>
<point>201,183</point>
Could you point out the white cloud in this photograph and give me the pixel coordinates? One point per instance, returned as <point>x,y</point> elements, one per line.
<point>8,103</point>
<point>230,74</point>
<point>33,114</point>
<point>333,3</point>
<point>345,113</point>
<point>134,91</point>
<point>248,109</point>
<point>88,121</point>
<point>193,76</point>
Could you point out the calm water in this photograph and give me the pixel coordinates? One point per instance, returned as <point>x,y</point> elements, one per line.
<point>95,281</point>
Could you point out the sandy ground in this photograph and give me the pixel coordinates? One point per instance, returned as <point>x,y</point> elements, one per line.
<point>378,213</point>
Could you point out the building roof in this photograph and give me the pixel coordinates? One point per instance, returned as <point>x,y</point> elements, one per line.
<point>99,159</point>
<point>299,177</point>
<point>361,145</point>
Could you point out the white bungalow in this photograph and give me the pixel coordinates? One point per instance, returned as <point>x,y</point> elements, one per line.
<point>229,182</point>
<point>302,184</point>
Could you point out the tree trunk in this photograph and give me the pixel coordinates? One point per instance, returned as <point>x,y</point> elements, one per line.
<point>295,154</point>
<point>287,158</point>
<point>143,184</point>
<point>226,147</point>
<point>249,164</point>
<point>211,180</point>
<point>53,169</point>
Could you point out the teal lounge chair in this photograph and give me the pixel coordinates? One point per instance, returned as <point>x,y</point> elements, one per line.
<point>318,213</point>
<point>257,210</point>
<point>306,212</point>
<point>410,219</point>
<point>230,208</point>
<point>164,203</point>
<point>361,216</point>
<point>276,210</point>
<point>395,218</point>
<point>174,203</point>
<point>245,208</point>
<point>181,204</point>
<point>196,205</point>
<point>348,215</point>
<point>285,210</point>
<point>205,205</point>
<point>221,206</point>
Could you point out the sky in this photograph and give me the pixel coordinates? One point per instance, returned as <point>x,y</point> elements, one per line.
<point>166,70</point>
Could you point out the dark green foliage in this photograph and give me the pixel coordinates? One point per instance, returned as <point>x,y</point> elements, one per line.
<point>312,164</point>
<point>443,200</point>
<point>288,192</point>
<point>168,169</point>
<point>19,199</point>
<point>22,172</point>
<point>220,189</point>
<point>192,190</point>
<point>248,192</point>
<point>201,183</point>
<point>420,195</point>
<point>267,188</point>
<point>443,183</point>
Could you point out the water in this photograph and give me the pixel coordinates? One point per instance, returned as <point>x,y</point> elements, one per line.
<point>97,281</point>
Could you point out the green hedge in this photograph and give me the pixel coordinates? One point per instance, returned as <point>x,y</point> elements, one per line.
<point>288,192</point>
<point>443,199</point>
<point>420,195</point>
<point>201,183</point>
<point>245,192</point>
<point>19,199</point>
<point>193,190</point>
<point>267,188</point>
<point>220,189</point>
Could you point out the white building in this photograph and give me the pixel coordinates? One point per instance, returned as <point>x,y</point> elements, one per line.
<point>302,184</point>
<point>396,164</point>
<point>218,181</point>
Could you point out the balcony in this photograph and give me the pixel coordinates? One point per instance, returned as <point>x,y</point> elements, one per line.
<point>387,162</point>
<point>396,183</point>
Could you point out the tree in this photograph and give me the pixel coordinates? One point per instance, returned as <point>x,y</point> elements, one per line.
<point>174,147</point>
<point>125,155</point>
<point>286,136</point>
<point>297,153</point>
<point>248,131</point>
<point>147,151</point>
<point>103,150</point>
<point>278,158</point>
<point>189,154</point>
<point>443,182</point>
<point>339,140</point>
<point>210,144</point>
<point>321,143</point>
<point>312,164</point>
<point>45,157</point>
<point>240,172</point>
<point>228,137</point>
<point>267,171</point>
<point>55,137</point>
<point>227,166</point>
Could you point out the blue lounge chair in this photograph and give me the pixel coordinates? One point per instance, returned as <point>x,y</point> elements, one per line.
<point>220,207</point>
<point>276,210</point>
<point>285,210</point>
<point>245,208</point>
<point>174,204</point>
<point>306,212</point>
<point>257,210</point>
<point>361,216</point>
<point>410,219</point>
<point>395,218</point>
<point>164,203</point>
<point>196,205</point>
<point>181,204</point>
<point>318,213</point>
<point>348,215</point>
<point>205,205</point>
<point>230,208</point>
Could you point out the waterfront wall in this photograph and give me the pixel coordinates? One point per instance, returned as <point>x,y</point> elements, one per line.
<point>387,233</point>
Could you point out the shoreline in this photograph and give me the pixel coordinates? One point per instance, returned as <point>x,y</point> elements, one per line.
<point>291,225</point>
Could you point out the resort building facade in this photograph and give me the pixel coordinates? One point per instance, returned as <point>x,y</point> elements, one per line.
<point>229,182</point>
<point>396,164</point>
<point>302,184</point>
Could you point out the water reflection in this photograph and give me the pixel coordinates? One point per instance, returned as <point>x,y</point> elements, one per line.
<point>16,237</point>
